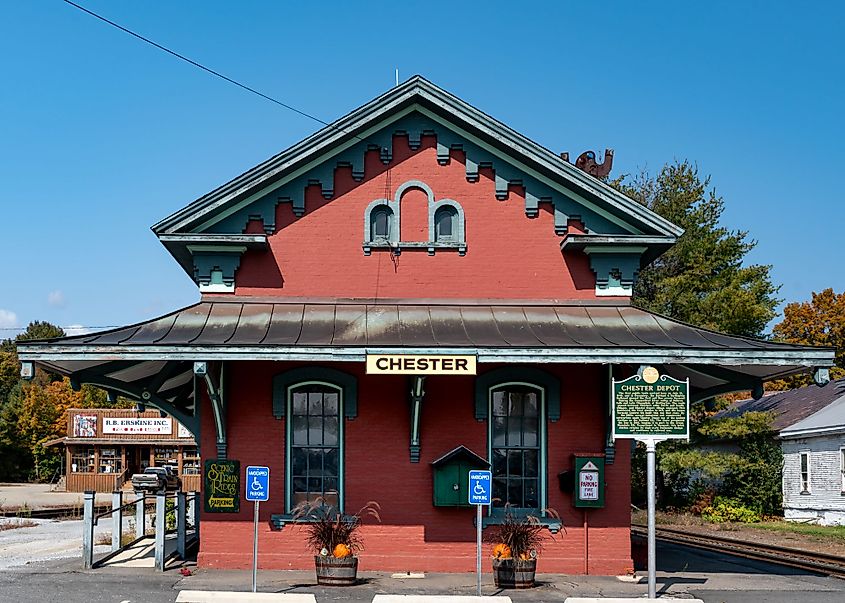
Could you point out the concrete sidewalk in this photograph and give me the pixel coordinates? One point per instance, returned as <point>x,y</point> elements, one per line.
<point>683,573</point>
<point>741,584</point>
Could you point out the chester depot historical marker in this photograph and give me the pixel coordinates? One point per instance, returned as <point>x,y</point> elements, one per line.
<point>650,405</point>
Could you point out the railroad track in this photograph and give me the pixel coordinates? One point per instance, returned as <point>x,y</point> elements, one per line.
<point>832,565</point>
<point>70,512</point>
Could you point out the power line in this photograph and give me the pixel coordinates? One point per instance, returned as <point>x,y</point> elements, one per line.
<point>204,68</point>
<point>67,328</point>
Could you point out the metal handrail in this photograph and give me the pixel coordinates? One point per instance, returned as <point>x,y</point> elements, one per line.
<point>111,511</point>
<point>171,494</point>
<point>120,479</point>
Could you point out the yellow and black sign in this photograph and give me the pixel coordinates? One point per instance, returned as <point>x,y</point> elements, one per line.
<point>222,486</point>
<point>415,364</point>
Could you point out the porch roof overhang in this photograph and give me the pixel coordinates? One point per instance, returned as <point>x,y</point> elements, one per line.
<point>157,356</point>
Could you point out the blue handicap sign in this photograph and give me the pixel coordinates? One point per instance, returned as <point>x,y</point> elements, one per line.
<point>480,487</point>
<point>257,483</point>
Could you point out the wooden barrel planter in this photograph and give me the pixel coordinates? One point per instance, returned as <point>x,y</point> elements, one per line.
<point>512,573</point>
<point>334,571</point>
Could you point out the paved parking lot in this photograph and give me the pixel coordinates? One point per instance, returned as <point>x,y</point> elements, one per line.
<point>41,496</point>
<point>683,573</point>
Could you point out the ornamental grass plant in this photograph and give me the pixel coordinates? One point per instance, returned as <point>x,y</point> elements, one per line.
<point>519,537</point>
<point>330,533</point>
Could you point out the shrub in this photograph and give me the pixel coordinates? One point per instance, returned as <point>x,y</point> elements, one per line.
<point>728,509</point>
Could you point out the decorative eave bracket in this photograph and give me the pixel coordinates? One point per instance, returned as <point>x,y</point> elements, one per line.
<point>416,397</point>
<point>616,259</point>
<point>214,386</point>
<point>212,259</point>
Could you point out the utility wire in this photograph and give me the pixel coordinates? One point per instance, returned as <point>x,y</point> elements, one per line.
<point>67,328</point>
<point>203,67</point>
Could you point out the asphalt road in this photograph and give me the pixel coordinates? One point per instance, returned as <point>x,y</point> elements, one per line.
<point>683,573</point>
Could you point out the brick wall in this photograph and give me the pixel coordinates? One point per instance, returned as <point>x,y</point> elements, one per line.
<point>508,254</point>
<point>414,535</point>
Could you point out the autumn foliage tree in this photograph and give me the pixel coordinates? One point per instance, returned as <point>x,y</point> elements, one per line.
<point>34,412</point>
<point>820,321</point>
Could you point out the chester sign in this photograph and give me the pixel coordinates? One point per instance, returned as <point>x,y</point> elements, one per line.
<point>412,364</point>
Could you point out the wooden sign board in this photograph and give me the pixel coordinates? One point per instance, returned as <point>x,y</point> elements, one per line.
<point>651,406</point>
<point>414,364</point>
<point>222,489</point>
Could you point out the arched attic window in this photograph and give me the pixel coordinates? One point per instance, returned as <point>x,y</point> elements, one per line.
<point>381,225</point>
<point>446,224</point>
<point>381,222</point>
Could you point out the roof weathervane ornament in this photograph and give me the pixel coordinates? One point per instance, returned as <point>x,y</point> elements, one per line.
<point>586,162</point>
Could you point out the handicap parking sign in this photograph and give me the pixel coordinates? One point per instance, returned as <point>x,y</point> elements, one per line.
<point>480,487</point>
<point>257,483</point>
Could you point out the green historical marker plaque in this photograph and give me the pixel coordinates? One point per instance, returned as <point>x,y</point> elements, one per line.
<point>651,406</point>
<point>222,486</point>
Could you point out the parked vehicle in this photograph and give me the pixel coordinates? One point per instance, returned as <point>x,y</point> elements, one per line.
<point>156,479</point>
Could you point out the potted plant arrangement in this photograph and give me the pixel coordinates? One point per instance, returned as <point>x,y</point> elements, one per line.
<point>516,543</point>
<point>334,538</point>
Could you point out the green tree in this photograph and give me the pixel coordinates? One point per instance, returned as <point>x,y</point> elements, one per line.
<point>702,279</point>
<point>751,475</point>
<point>40,329</point>
<point>17,461</point>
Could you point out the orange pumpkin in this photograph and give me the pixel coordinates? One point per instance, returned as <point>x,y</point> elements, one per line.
<point>502,551</point>
<point>341,551</point>
<point>525,556</point>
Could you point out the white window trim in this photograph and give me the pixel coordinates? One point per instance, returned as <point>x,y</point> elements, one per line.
<point>842,466</point>
<point>340,440</point>
<point>542,470</point>
<point>809,488</point>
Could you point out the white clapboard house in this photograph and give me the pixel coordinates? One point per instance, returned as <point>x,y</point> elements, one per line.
<point>814,465</point>
<point>810,422</point>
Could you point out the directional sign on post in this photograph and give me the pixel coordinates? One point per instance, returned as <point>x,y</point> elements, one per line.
<point>480,488</point>
<point>257,483</point>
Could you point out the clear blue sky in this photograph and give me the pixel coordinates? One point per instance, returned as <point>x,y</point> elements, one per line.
<point>101,135</point>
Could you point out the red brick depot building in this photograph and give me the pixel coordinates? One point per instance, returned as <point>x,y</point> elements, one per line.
<point>412,291</point>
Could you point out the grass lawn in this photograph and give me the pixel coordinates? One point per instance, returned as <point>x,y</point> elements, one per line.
<point>832,532</point>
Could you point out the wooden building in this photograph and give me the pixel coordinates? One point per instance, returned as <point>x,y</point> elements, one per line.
<point>413,290</point>
<point>104,447</point>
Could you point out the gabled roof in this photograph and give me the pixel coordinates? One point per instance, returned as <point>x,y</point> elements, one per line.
<point>790,407</point>
<point>361,123</point>
<point>829,419</point>
<point>461,452</point>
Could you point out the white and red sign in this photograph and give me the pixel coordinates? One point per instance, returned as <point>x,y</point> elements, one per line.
<point>588,482</point>
<point>138,425</point>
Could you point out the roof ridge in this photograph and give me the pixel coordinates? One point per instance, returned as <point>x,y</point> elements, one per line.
<point>393,99</point>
